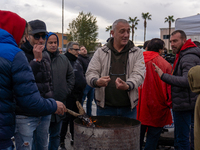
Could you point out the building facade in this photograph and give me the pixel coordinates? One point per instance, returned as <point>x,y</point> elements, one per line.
<point>164,35</point>
<point>65,41</point>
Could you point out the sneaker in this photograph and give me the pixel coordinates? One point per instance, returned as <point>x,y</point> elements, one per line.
<point>62,146</point>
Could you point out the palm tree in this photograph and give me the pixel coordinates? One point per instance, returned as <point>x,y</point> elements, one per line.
<point>108,29</point>
<point>169,19</point>
<point>145,16</point>
<point>134,23</point>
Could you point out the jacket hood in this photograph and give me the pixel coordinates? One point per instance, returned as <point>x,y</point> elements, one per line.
<point>194,79</point>
<point>149,55</point>
<point>48,35</point>
<point>54,54</point>
<point>13,24</point>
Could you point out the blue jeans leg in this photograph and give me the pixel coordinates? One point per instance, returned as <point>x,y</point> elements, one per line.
<point>24,131</point>
<point>89,93</point>
<point>90,97</point>
<point>54,131</point>
<point>117,111</point>
<point>40,135</point>
<point>153,135</point>
<point>182,122</point>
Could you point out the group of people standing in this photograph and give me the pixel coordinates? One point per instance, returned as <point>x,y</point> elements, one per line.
<point>128,82</point>
<point>126,78</point>
<point>26,80</point>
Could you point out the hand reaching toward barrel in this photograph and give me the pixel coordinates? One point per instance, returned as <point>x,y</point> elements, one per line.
<point>61,109</point>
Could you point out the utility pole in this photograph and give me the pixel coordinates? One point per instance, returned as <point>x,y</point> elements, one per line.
<point>62,22</point>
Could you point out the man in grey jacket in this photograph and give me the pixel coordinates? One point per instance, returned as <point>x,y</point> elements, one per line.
<point>116,71</point>
<point>63,83</point>
<point>183,99</point>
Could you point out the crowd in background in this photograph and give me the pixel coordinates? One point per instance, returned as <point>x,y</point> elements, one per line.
<point>39,84</point>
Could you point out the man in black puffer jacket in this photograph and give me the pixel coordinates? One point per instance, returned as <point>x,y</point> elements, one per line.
<point>183,99</point>
<point>40,62</point>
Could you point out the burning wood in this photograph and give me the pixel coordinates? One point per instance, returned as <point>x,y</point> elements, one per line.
<point>82,115</point>
<point>86,120</point>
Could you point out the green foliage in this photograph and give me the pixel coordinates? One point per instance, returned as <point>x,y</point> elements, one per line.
<point>84,30</point>
<point>146,16</point>
<point>108,29</point>
<point>169,19</point>
<point>134,23</point>
<point>69,37</point>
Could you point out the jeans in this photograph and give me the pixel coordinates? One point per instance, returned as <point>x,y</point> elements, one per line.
<point>117,111</point>
<point>54,131</point>
<point>9,148</point>
<point>32,132</point>
<point>182,123</point>
<point>153,135</point>
<point>89,92</point>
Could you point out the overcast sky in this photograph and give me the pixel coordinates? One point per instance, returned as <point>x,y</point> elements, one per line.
<point>106,12</point>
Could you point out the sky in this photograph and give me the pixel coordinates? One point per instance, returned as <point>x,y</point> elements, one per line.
<point>106,12</point>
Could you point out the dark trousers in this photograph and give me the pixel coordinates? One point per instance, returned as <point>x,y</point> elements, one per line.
<point>67,121</point>
<point>183,129</point>
<point>54,131</point>
<point>153,135</point>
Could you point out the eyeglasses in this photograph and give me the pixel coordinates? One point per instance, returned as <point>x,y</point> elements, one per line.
<point>75,49</point>
<point>37,36</point>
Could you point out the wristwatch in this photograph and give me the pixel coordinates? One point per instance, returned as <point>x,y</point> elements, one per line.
<point>36,60</point>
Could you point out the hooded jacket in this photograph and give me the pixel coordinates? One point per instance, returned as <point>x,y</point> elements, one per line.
<point>183,98</point>
<point>194,81</point>
<point>100,64</point>
<point>16,79</point>
<point>62,77</point>
<point>154,95</point>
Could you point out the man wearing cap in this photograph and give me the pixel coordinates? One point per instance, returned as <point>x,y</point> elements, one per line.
<point>32,130</point>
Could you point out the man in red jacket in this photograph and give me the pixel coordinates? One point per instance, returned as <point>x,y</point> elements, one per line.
<point>154,103</point>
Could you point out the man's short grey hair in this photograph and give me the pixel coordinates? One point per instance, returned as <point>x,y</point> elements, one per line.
<point>71,44</point>
<point>117,21</point>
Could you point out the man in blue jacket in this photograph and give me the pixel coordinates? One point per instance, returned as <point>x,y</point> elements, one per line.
<point>17,83</point>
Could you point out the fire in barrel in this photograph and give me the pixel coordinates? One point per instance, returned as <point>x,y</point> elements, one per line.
<point>107,133</point>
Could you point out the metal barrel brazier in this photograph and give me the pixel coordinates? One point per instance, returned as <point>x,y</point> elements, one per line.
<point>109,133</point>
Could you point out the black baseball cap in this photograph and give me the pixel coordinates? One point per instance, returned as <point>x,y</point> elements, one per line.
<point>37,26</point>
